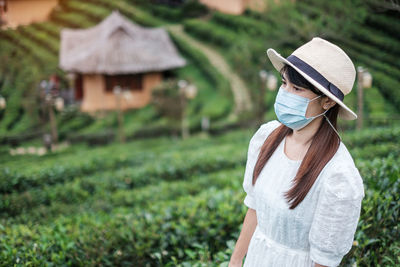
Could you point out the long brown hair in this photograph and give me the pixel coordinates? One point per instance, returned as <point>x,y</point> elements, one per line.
<point>324,145</point>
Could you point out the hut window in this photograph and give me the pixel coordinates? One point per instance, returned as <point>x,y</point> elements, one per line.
<point>79,87</point>
<point>131,81</point>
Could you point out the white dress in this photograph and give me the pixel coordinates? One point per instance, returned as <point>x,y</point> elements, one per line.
<point>320,229</point>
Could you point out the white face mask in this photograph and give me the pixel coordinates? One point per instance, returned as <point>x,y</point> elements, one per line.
<point>290,110</point>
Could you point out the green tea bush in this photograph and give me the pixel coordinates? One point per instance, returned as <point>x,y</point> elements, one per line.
<point>212,33</point>
<point>377,39</point>
<point>242,24</point>
<point>383,22</point>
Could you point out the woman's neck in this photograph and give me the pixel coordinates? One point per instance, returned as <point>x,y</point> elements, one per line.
<point>304,135</point>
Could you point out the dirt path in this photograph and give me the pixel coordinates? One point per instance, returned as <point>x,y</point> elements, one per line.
<point>240,92</point>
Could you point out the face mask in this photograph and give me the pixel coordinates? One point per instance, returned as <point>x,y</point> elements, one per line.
<point>291,109</point>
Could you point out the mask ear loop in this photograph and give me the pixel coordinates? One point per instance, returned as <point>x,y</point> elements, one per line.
<point>327,117</point>
<point>332,126</point>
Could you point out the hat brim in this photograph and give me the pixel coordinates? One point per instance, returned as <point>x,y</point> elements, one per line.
<point>278,62</point>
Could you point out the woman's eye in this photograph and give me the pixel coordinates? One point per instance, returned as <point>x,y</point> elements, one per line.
<point>297,89</point>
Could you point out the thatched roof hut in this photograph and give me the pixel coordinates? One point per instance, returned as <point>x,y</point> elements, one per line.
<point>117,52</point>
<point>117,46</point>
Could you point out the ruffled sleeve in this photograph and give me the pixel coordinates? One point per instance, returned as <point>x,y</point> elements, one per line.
<point>252,153</point>
<point>336,216</point>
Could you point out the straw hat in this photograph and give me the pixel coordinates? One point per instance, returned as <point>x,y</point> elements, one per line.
<point>326,66</point>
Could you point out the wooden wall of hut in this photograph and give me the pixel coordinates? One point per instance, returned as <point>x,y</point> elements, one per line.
<point>98,96</point>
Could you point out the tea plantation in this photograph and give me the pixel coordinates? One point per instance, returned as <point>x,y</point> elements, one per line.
<point>167,202</point>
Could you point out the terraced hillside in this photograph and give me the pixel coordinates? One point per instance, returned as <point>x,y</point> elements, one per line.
<point>30,54</point>
<point>38,45</point>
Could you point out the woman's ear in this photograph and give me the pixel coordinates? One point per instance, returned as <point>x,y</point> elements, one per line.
<point>327,103</point>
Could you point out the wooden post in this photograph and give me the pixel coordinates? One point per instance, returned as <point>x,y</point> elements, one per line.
<point>184,122</point>
<point>53,123</point>
<point>121,134</point>
<point>117,90</point>
<point>360,101</point>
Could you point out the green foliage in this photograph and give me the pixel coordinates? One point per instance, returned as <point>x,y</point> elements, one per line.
<point>172,204</point>
<point>212,33</point>
<point>193,8</point>
<point>217,105</point>
<point>168,101</point>
<point>382,21</point>
<point>242,24</point>
<point>334,17</point>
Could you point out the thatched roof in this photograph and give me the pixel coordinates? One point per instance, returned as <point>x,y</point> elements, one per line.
<point>117,46</point>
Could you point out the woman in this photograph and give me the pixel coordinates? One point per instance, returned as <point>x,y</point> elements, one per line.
<point>304,192</point>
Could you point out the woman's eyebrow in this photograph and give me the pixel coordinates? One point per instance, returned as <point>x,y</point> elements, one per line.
<point>300,87</point>
<point>283,78</point>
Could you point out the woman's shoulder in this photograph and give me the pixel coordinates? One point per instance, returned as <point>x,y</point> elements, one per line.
<point>263,132</point>
<point>342,176</point>
<point>266,128</point>
<point>270,125</point>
